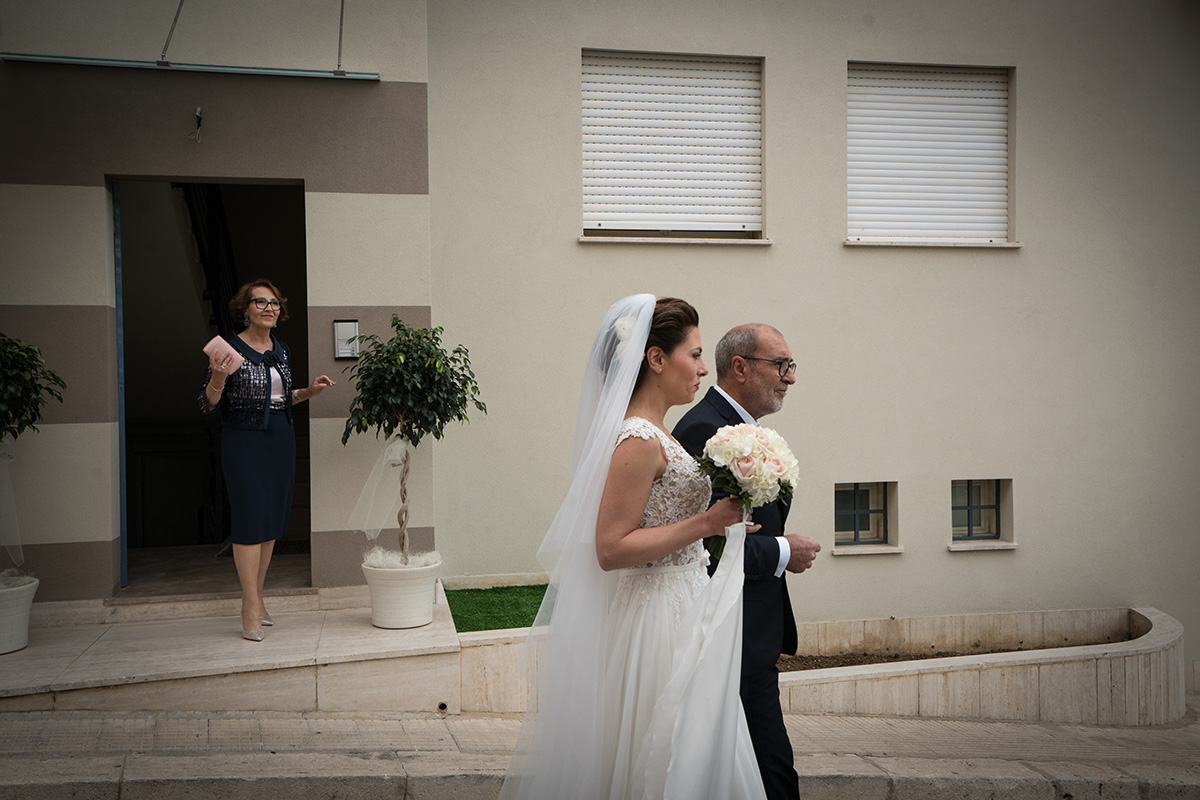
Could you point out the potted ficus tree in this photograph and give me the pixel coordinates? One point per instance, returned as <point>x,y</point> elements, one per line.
<point>408,387</point>
<point>25,386</point>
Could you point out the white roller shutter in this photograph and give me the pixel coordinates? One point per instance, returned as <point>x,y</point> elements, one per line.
<point>671,143</point>
<point>927,154</point>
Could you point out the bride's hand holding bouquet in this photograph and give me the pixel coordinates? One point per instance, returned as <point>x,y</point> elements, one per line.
<point>751,463</point>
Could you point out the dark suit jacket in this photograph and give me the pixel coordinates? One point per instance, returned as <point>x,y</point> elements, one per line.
<point>769,626</point>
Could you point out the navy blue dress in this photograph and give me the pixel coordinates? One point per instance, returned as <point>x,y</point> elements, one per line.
<point>260,476</point>
<point>258,445</point>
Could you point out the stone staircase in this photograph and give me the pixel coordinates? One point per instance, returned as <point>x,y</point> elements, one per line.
<point>187,654</point>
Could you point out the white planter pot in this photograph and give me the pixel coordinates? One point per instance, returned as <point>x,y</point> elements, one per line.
<point>402,598</point>
<point>15,603</point>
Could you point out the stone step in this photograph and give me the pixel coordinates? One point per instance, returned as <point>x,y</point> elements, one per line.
<point>324,655</point>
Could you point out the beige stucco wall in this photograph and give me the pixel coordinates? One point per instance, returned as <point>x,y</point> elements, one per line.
<point>65,488</point>
<point>367,249</point>
<point>368,256</point>
<point>1066,365</point>
<point>364,250</point>
<point>58,292</point>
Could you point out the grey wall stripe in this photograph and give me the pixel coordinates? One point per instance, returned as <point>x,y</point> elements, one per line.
<point>74,125</point>
<point>80,344</point>
<point>74,570</point>
<point>332,567</point>
<point>371,319</point>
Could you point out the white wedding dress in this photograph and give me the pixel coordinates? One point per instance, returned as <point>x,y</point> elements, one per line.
<point>633,674</point>
<point>674,725</point>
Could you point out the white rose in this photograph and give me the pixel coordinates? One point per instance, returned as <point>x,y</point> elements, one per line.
<point>726,445</point>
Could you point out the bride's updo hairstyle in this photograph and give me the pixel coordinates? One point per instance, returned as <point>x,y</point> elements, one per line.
<point>673,319</point>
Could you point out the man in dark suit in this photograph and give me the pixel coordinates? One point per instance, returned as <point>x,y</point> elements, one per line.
<point>754,371</point>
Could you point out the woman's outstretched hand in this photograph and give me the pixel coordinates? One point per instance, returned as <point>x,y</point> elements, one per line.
<point>320,384</point>
<point>725,512</point>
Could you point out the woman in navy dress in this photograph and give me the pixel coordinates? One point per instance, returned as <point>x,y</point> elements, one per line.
<point>258,445</point>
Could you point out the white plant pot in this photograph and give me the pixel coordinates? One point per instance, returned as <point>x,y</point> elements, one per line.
<point>15,603</point>
<point>402,597</point>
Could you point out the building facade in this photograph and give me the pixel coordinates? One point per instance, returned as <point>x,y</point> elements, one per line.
<point>972,223</point>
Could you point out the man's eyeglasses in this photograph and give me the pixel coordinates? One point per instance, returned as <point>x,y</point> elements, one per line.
<point>782,364</point>
<point>262,303</point>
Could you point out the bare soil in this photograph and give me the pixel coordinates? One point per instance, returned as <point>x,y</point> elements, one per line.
<point>802,662</point>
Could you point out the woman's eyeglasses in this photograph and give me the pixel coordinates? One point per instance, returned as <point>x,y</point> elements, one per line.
<point>262,303</point>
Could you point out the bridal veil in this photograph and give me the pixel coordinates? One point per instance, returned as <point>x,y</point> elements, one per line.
<point>566,643</point>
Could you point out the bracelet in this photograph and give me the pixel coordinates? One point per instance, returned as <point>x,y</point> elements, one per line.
<point>295,395</point>
<point>215,389</point>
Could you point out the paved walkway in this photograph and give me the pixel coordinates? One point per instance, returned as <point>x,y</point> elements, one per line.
<point>357,755</point>
<point>126,755</point>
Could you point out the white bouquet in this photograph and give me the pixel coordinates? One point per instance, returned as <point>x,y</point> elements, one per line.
<point>751,463</point>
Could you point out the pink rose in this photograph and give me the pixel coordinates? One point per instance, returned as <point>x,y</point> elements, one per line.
<point>743,468</point>
<point>776,467</point>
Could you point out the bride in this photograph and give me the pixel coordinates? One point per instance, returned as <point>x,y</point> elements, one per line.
<point>636,650</point>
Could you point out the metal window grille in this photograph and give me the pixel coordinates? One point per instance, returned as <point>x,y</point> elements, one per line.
<point>860,513</point>
<point>973,517</point>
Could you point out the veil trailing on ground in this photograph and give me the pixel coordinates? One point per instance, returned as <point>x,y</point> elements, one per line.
<point>559,750</point>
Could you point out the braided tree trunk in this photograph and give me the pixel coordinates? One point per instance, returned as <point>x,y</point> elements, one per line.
<point>10,533</point>
<point>402,514</point>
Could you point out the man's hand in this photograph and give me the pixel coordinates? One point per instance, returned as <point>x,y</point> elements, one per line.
<point>804,550</point>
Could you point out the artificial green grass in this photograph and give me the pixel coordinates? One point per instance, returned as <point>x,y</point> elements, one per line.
<point>496,608</point>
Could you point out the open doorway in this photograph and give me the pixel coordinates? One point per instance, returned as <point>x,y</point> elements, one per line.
<point>185,248</point>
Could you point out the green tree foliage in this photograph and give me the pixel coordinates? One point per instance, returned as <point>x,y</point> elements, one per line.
<point>25,386</point>
<point>409,385</point>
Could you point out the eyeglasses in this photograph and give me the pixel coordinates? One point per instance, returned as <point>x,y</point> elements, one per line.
<point>782,364</point>
<point>262,303</point>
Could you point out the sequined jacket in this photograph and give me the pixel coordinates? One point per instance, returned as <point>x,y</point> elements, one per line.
<point>246,401</point>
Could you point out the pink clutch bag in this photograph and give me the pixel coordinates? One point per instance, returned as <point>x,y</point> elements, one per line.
<point>217,347</point>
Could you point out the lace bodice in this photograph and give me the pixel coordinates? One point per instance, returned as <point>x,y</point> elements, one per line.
<point>682,491</point>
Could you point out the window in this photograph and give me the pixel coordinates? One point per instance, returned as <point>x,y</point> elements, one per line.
<point>672,145</point>
<point>860,513</point>
<point>927,155</point>
<point>975,509</point>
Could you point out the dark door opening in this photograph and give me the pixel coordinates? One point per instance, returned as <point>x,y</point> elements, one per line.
<point>185,248</point>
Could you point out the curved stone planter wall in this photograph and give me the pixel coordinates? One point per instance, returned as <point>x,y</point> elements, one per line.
<point>1139,681</point>
<point>1135,682</point>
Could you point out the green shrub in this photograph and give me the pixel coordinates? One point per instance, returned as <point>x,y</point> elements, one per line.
<point>25,383</point>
